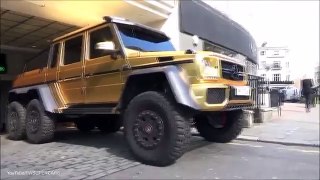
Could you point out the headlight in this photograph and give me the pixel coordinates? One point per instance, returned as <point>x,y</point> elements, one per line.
<point>208,71</point>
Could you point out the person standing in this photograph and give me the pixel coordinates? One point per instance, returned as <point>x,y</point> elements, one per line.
<point>313,97</point>
<point>307,92</point>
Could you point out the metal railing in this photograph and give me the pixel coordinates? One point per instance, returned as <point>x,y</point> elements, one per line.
<point>278,82</point>
<point>276,67</point>
<point>257,90</point>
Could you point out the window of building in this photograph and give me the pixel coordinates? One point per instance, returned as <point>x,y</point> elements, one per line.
<point>276,53</point>
<point>263,64</point>
<point>262,53</point>
<point>276,64</point>
<point>55,53</point>
<point>276,77</point>
<point>100,35</point>
<point>73,49</point>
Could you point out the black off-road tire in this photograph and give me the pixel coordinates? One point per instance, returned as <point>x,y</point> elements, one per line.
<point>110,125</point>
<point>173,136</point>
<point>16,121</point>
<point>40,126</point>
<point>227,133</point>
<point>84,125</point>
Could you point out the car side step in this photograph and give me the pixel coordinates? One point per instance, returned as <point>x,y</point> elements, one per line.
<point>89,110</point>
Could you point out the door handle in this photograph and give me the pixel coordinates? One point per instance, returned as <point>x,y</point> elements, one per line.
<point>82,90</point>
<point>125,67</point>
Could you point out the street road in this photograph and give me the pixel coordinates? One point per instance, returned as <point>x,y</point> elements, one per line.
<point>77,156</point>
<point>236,160</point>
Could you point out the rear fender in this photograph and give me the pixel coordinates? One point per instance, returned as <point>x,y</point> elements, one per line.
<point>41,92</point>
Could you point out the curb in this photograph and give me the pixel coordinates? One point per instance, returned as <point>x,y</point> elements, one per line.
<point>256,139</point>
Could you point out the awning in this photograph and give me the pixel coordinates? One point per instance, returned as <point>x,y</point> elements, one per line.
<point>198,18</point>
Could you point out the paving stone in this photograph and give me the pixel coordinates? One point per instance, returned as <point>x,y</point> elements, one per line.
<point>79,177</point>
<point>113,170</point>
<point>83,170</point>
<point>124,163</point>
<point>128,166</point>
<point>97,176</point>
<point>82,166</point>
<point>95,172</point>
<point>77,157</point>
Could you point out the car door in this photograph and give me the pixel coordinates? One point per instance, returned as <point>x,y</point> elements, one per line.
<point>70,74</point>
<point>103,68</point>
<point>54,60</point>
<point>52,71</point>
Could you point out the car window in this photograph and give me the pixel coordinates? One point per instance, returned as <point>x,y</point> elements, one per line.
<point>55,57</point>
<point>72,50</point>
<point>97,36</point>
<point>141,39</point>
<point>38,61</point>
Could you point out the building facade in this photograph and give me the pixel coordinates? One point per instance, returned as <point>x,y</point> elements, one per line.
<point>225,35</point>
<point>317,75</point>
<point>274,66</point>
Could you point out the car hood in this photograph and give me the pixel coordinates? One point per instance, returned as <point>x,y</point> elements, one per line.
<point>181,55</point>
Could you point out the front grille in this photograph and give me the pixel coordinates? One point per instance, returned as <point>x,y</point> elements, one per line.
<point>232,71</point>
<point>216,95</point>
<point>233,95</point>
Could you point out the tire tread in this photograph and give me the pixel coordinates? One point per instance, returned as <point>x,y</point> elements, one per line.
<point>217,135</point>
<point>183,133</point>
<point>47,129</point>
<point>21,133</point>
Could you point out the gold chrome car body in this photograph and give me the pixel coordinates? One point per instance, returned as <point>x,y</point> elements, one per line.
<point>199,86</point>
<point>102,80</point>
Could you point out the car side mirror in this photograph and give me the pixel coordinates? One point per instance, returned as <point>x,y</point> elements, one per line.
<point>109,47</point>
<point>106,45</point>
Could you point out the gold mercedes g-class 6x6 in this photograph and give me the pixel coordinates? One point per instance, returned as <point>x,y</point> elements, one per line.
<point>120,73</point>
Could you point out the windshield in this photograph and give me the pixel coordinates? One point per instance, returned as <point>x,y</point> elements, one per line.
<point>141,39</point>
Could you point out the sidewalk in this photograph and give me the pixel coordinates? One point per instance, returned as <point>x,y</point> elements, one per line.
<point>293,127</point>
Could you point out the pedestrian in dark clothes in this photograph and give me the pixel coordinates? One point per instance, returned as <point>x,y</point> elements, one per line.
<point>307,92</point>
<point>313,97</point>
